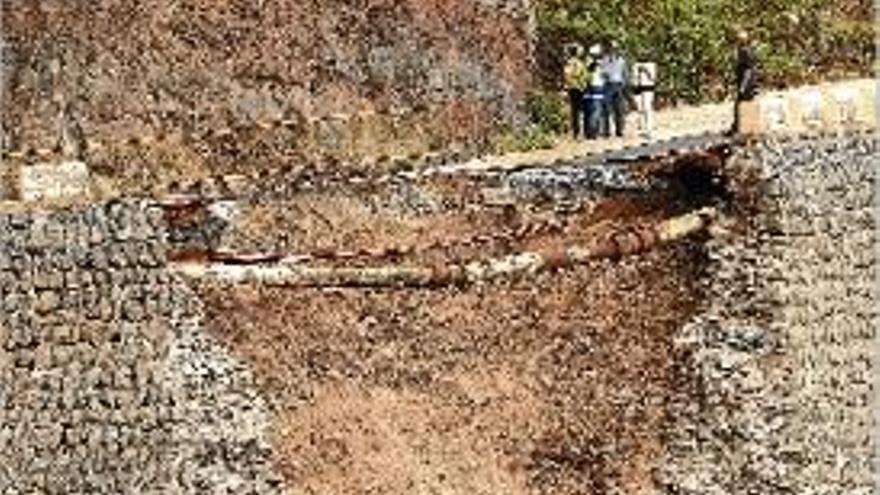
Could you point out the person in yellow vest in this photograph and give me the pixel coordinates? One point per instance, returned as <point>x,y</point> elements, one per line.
<point>576,79</point>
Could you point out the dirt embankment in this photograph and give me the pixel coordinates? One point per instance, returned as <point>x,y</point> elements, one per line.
<point>441,220</point>
<point>201,88</point>
<point>552,385</point>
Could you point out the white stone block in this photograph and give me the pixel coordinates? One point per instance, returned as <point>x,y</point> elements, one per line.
<point>49,181</point>
<point>845,98</point>
<point>774,112</point>
<point>811,108</point>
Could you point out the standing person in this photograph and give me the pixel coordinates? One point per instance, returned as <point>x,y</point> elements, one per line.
<point>576,78</point>
<point>746,72</point>
<point>644,77</point>
<point>616,71</point>
<point>595,94</point>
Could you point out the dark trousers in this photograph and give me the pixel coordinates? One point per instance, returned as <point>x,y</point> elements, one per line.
<point>578,118</point>
<point>615,109</point>
<point>594,109</point>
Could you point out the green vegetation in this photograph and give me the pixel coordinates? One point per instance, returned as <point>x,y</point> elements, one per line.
<point>531,138</point>
<point>692,41</point>
<point>548,117</point>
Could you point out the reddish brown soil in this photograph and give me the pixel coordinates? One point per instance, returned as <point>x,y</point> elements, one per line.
<point>463,229</point>
<point>554,385</point>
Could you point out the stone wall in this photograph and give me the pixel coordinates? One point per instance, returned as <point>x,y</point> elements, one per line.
<point>778,397</point>
<point>239,85</point>
<point>107,384</point>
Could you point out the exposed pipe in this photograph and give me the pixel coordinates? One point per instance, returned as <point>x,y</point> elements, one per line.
<point>621,243</point>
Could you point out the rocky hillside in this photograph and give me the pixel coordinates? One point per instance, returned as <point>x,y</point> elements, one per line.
<point>237,85</point>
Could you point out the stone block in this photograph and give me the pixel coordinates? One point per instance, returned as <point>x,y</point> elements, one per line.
<point>845,111</point>
<point>117,255</point>
<point>774,111</point>
<point>808,111</point>
<point>47,301</point>
<point>45,277</point>
<point>751,119</point>
<point>52,181</point>
<point>828,108</point>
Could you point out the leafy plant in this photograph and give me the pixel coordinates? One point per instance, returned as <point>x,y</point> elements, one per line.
<point>527,139</point>
<point>548,111</point>
<point>692,41</point>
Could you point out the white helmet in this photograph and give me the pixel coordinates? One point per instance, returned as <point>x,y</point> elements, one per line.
<point>596,50</point>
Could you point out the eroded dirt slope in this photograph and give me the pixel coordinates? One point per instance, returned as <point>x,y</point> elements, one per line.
<point>551,385</point>
<point>161,90</point>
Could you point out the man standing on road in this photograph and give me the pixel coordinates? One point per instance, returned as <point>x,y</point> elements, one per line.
<point>616,71</point>
<point>643,84</point>
<point>746,72</point>
<point>576,79</point>
<point>595,94</point>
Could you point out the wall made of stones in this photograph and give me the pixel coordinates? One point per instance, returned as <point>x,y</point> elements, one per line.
<point>107,383</point>
<point>777,394</point>
<point>237,85</point>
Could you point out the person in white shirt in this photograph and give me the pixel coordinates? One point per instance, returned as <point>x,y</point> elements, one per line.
<point>594,96</point>
<point>644,76</point>
<point>615,70</point>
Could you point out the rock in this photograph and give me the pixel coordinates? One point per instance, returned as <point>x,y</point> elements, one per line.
<point>784,358</point>
<point>76,331</point>
<point>52,181</point>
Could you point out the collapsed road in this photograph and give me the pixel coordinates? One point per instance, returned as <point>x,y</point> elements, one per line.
<point>613,245</point>
<point>506,331</point>
<point>664,342</point>
<point>679,170</point>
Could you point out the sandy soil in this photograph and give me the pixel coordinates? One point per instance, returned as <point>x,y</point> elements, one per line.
<point>555,385</point>
<point>558,384</point>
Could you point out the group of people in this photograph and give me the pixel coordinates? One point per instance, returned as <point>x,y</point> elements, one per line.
<point>600,87</point>
<point>597,85</point>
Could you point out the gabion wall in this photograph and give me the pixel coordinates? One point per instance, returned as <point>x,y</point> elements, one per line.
<point>778,396</point>
<point>107,384</point>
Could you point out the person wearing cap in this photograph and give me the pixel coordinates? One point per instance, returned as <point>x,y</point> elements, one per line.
<point>746,75</point>
<point>595,94</point>
<point>576,78</point>
<point>615,70</point>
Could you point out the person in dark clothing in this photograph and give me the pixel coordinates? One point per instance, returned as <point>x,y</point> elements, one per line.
<point>616,71</point>
<point>746,72</point>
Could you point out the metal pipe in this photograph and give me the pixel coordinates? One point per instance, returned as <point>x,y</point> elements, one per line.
<point>618,244</point>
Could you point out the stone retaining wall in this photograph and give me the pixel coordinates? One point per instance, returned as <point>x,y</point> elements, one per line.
<point>107,384</point>
<point>777,397</point>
